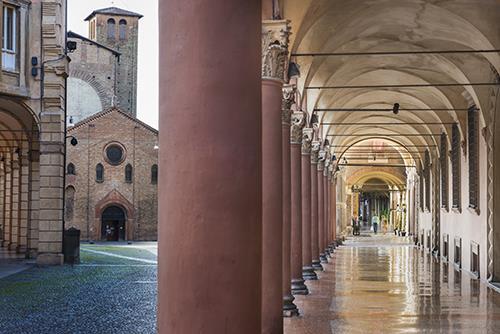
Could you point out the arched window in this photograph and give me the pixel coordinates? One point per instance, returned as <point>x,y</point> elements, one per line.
<point>444,170</point>
<point>99,173</point>
<point>455,167</point>
<point>473,141</point>
<point>69,203</point>
<point>427,176</point>
<point>128,173</point>
<point>123,29</point>
<point>111,29</point>
<point>154,174</point>
<point>70,170</point>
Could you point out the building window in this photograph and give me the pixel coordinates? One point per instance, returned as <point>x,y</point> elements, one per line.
<point>114,154</point>
<point>111,29</point>
<point>123,29</point>
<point>92,29</point>
<point>427,176</point>
<point>444,170</point>
<point>99,173</point>
<point>9,38</point>
<point>128,173</point>
<point>421,190</point>
<point>473,150</point>
<point>154,174</point>
<point>455,166</point>
<point>70,170</point>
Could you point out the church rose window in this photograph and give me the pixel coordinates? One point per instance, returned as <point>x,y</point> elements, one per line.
<point>114,154</point>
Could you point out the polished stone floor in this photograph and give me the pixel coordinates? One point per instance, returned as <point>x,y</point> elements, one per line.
<point>382,284</point>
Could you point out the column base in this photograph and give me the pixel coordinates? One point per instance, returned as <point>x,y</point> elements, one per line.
<point>317,265</point>
<point>328,252</point>
<point>12,246</point>
<point>299,288</point>
<point>322,258</point>
<point>309,274</point>
<point>31,253</point>
<point>50,259</point>
<point>289,308</point>
<point>339,242</point>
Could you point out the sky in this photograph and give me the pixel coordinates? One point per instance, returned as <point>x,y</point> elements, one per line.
<point>147,91</point>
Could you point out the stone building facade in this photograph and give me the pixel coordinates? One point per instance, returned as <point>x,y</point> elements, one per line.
<point>111,182</point>
<point>34,68</point>
<point>103,68</point>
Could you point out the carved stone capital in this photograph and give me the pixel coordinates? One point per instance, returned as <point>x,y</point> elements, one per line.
<point>298,123</point>
<point>275,39</point>
<point>321,160</point>
<point>307,137</point>
<point>315,147</point>
<point>286,104</point>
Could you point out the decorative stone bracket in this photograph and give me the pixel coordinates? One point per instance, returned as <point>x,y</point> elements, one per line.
<point>298,123</point>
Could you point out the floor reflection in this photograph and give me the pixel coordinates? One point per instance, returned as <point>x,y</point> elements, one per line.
<point>384,285</point>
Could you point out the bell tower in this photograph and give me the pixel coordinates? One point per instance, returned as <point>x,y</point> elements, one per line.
<point>118,29</point>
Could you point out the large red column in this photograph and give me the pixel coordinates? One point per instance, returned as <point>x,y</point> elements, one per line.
<point>333,206</point>
<point>272,211</point>
<point>289,308</point>
<point>314,207</point>
<point>326,187</point>
<point>274,58</point>
<point>321,208</point>
<point>307,269</point>
<point>298,122</point>
<point>210,189</point>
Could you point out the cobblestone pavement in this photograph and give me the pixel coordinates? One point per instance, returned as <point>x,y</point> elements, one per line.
<point>112,291</point>
<point>382,284</point>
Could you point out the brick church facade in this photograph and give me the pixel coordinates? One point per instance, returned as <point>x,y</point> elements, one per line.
<point>111,178</point>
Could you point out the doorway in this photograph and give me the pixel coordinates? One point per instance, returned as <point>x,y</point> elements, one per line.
<point>113,224</point>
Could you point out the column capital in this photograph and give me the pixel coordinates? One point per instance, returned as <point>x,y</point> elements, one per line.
<point>321,160</point>
<point>298,123</point>
<point>275,39</point>
<point>315,147</point>
<point>287,102</point>
<point>307,136</point>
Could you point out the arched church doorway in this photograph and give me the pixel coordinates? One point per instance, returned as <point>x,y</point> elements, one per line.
<point>113,227</point>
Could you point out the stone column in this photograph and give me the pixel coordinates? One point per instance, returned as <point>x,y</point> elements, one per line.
<point>298,122</point>
<point>307,269</point>
<point>2,198</point>
<point>210,190</point>
<point>52,133</point>
<point>321,208</point>
<point>7,201</point>
<point>333,206</point>
<point>24,202</point>
<point>289,308</point>
<point>314,207</point>
<point>15,192</point>
<point>274,49</point>
<point>326,187</point>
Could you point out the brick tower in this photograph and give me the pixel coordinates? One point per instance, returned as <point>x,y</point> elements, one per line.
<point>118,29</point>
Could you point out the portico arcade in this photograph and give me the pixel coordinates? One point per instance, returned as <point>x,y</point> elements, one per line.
<point>271,152</point>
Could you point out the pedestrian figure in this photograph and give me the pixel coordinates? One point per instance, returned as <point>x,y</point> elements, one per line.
<point>375,221</point>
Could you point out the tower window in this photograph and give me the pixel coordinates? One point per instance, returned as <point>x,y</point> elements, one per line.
<point>99,173</point>
<point>123,29</point>
<point>455,166</point>
<point>154,174</point>
<point>473,148</point>
<point>128,173</point>
<point>444,170</point>
<point>70,170</point>
<point>111,29</point>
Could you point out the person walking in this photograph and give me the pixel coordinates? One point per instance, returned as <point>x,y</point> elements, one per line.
<point>375,221</point>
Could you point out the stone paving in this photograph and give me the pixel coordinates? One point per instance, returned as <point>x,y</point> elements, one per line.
<point>105,294</point>
<point>382,284</point>
<point>373,284</point>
